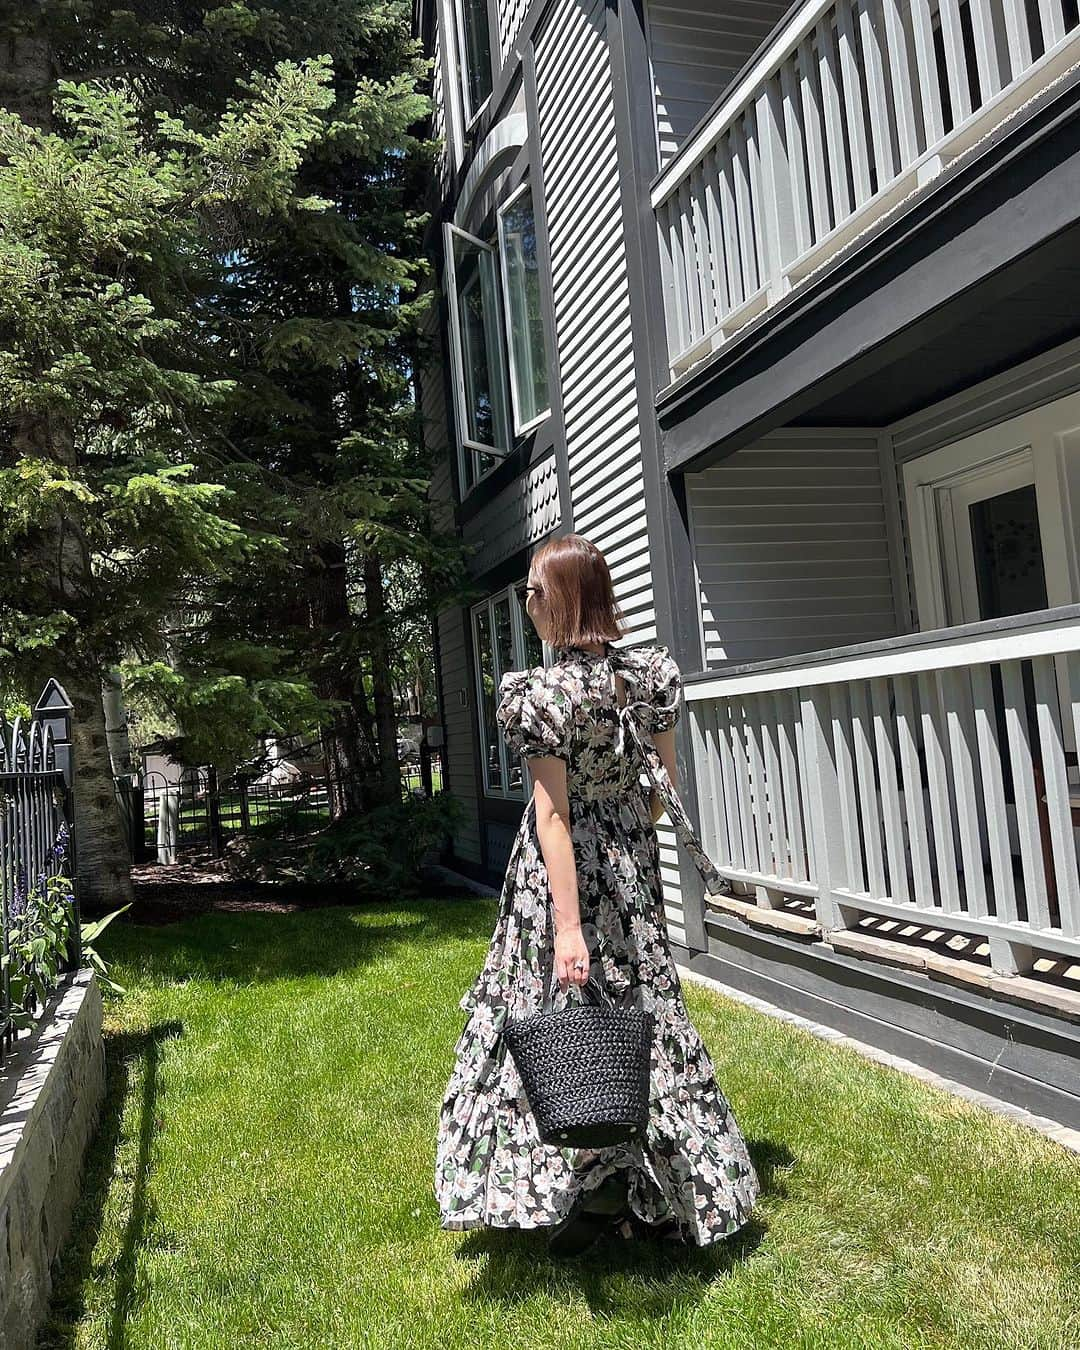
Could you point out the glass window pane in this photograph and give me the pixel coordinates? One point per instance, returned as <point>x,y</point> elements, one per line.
<point>484,406</point>
<point>1008,554</point>
<point>504,655</point>
<point>477,55</point>
<point>489,731</point>
<point>534,648</point>
<point>528,361</point>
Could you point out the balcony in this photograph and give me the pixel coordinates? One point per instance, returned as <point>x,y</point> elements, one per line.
<point>851,107</point>
<point>928,780</point>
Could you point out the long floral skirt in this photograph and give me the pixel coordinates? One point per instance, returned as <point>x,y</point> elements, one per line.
<point>491,1167</point>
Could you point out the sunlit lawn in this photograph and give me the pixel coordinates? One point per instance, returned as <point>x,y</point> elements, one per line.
<point>263,1173</point>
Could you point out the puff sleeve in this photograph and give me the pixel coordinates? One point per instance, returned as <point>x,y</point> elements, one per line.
<point>535,713</point>
<point>663,685</point>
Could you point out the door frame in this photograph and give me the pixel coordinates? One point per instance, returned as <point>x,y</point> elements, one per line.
<point>1041,446</point>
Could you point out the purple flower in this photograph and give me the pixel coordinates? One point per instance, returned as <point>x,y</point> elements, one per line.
<point>59,848</point>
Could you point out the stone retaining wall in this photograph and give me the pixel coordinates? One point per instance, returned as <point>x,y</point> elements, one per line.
<point>50,1096</point>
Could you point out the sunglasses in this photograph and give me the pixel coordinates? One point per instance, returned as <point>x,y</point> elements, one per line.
<point>522,589</point>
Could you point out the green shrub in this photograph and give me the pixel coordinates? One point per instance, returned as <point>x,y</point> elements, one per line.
<point>379,852</point>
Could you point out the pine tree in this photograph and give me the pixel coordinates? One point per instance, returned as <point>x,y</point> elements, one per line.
<point>320,318</point>
<point>209,405</point>
<point>115,226</point>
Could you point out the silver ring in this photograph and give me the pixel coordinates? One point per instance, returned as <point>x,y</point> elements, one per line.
<point>580,965</point>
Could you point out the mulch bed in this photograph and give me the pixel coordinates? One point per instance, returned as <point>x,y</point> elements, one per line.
<point>199,884</point>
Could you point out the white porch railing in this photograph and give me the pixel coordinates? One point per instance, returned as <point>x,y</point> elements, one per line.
<point>927,779</point>
<point>852,106</point>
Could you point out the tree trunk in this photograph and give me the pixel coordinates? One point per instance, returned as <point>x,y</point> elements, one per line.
<point>27,74</point>
<point>116,724</point>
<point>330,620</point>
<point>101,852</point>
<point>382,686</point>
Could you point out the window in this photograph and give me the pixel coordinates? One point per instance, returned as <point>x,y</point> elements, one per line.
<point>474,54</point>
<point>477,333</point>
<point>483,292</point>
<point>504,639</point>
<point>524,321</point>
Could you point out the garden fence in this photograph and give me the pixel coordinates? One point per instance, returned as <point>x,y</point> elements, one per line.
<point>36,843</point>
<point>192,808</point>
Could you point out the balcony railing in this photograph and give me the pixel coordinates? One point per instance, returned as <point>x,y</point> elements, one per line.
<point>931,778</point>
<point>854,105</point>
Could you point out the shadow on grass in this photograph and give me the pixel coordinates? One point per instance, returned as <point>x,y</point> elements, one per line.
<point>238,948</point>
<point>252,948</point>
<point>661,1273</point>
<point>78,1269</point>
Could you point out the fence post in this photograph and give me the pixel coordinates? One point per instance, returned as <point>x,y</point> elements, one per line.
<point>168,823</point>
<point>776,223</point>
<point>213,810</point>
<point>425,767</point>
<point>824,827</point>
<point>140,852</point>
<point>54,712</point>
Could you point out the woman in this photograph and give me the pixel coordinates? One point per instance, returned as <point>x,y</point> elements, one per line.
<point>583,895</point>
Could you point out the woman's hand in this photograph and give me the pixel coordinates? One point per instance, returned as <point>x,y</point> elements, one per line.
<point>570,949</point>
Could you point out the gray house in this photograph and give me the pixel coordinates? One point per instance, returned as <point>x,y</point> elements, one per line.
<point>781,308</point>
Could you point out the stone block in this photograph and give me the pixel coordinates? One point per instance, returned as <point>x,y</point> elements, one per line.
<point>51,1097</point>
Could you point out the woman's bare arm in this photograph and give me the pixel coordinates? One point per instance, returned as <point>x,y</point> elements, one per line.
<point>556,843</point>
<point>572,955</point>
<point>665,745</point>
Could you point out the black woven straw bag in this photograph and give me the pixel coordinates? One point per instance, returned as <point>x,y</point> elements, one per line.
<point>585,1069</point>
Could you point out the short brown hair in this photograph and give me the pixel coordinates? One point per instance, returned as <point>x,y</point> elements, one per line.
<point>574,577</point>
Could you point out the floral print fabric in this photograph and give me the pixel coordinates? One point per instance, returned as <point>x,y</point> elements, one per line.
<point>693,1164</point>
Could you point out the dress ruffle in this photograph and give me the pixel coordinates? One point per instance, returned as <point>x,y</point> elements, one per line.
<point>535,713</point>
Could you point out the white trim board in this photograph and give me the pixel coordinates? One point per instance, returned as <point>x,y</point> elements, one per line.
<point>1041,446</point>
<point>1052,1129</point>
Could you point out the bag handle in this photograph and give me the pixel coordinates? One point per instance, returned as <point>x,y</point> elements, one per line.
<point>592,991</point>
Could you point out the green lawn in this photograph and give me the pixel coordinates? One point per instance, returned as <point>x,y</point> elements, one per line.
<point>263,1173</point>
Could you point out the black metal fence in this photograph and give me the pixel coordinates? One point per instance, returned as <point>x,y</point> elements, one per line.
<point>197,810</point>
<point>165,813</point>
<point>36,840</point>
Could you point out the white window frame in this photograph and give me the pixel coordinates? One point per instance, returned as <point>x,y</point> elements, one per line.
<point>470,115</point>
<point>465,444</point>
<point>518,619</point>
<point>521,428</point>
<point>1047,439</point>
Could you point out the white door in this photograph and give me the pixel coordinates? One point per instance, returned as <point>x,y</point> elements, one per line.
<point>991,519</point>
<point>992,556</point>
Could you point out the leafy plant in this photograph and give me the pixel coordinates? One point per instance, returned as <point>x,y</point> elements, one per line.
<point>40,923</point>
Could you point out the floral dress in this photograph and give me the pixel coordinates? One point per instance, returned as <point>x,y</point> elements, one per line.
<point>693,1164</point>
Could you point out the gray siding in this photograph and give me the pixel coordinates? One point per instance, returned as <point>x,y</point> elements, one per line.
<point>521,514</point>
<point>592,321</point>
<point>591,299</point>
<point>792,547</point>
<point>697,47</point>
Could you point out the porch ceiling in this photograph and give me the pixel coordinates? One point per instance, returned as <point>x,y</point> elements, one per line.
<point>981,272</point>
<point>1043,311</point>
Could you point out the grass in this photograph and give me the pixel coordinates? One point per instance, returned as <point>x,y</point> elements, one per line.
<point>262,1176</point>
